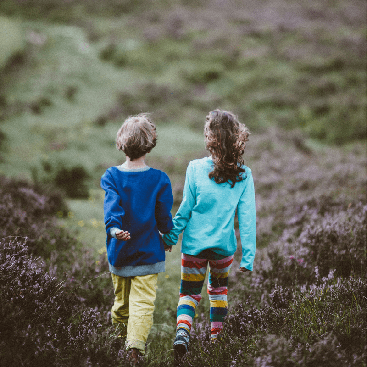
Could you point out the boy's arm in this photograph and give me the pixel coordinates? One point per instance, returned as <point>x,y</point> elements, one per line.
<point>163,206</point>
<point>113,211</point>
<point>184,212</point>
<point>246,211</point>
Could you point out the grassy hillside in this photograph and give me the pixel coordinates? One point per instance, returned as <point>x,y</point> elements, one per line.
<point>87,67</point>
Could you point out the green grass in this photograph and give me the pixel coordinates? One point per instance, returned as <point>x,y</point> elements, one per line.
<point>86,217</point>
<point>290,70</point>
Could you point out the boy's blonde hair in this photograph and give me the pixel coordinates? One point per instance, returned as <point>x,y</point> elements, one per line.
<point>137,136</point>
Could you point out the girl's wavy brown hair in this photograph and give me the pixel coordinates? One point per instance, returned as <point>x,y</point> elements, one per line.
<point>137,136</point>
<point>225,139</point>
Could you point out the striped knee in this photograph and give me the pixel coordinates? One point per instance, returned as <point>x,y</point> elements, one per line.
<point>186,312</point>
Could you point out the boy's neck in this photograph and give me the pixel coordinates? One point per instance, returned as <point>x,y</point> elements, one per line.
<point>136,163</point>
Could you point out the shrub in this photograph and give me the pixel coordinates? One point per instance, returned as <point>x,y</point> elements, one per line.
<point>277,351</point>
<point>331,238</point>
<point>70,179</point>
<point>89,278</point>
<point>43,321</point>
<point>338,241</point>
<point>28,211</point>
<point>11,40</point>
<point>305,326</point>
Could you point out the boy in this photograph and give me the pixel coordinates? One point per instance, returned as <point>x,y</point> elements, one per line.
<point>137,206</point>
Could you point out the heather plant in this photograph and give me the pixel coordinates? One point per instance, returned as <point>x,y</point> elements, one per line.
<point>42,320</point>
<point>85,275</point>
<point>29,211</point>
<point>306,325</point>
<point>285,312</point>
<point>328,241</point>
<point>337,241</point>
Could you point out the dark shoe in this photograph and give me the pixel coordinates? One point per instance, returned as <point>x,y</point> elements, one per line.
<point>180,346</point>
<point>179,351</point>
<point>135,357</point>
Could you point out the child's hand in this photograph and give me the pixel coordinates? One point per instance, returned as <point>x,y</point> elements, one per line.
<point>167,248</point>
<point>123,235</point>
<point>244,270</point>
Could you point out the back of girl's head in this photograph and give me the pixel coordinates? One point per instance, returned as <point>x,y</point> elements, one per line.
<point>137,136</point>
<point>225,139</point>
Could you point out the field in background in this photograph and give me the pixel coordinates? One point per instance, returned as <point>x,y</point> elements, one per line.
<point>81,68</point>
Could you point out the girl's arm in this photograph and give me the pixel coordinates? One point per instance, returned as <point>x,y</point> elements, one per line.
<point>246,211</point>
<point>113,211</point>
<point>163,206</point>
<point>184,212</point>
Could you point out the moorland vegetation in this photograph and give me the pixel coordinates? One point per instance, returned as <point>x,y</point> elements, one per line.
<point>293,71</point>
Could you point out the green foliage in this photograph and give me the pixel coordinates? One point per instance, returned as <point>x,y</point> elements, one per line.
<point>302,66</point>
<point>71,180</point>
<point>12,41</point>
<point>63,11</point>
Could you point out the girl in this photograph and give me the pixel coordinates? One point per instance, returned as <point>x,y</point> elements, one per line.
<point>215,187</point>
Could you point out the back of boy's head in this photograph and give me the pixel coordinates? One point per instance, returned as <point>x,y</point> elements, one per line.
<point>137,136</point>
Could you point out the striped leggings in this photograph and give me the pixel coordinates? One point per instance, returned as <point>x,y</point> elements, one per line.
<point>193,271</point>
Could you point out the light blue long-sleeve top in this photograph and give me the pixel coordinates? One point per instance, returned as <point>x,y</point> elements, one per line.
<point>206,214</point>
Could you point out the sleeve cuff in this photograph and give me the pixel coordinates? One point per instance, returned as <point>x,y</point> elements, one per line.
<point>113,232</point>
<point>246,265</point>
<point>168,241</point>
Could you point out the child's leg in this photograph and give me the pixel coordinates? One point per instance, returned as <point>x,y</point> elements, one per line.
<point>217,290</point>
<point>193,272</point>
<point>120,308</point>
<point>141,304</point>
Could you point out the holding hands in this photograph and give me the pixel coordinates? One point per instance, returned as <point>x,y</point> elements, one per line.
<point>166,247</point>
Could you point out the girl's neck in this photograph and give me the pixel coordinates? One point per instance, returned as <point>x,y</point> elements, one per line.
<point>136,163</point>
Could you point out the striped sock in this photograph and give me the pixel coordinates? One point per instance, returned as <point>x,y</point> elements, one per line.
<point>217,290</point>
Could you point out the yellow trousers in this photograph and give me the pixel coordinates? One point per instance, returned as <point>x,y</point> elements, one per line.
<point>133,308</point>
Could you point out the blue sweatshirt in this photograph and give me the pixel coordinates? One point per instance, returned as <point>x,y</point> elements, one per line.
<point>138,201</point>
<point>206,214</point>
